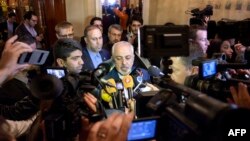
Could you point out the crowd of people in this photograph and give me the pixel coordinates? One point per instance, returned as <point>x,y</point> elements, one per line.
<point>22,113</point>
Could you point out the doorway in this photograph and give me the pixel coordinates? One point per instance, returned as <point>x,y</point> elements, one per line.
<point>133,7</point>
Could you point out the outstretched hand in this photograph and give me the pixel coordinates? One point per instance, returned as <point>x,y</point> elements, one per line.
<point>10,55</point>
<point>115,128</point>
<point>241,95</point>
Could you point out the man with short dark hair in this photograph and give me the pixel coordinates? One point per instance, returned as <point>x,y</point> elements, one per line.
<point>182,66</point>
<point>27,27</point>
<point>96,21</point>
<point>135,23</point>
<point>8,27</point>
<point>198,39</point>
<point>68,54</point>
<point>93,53</point>
<point>64,29</point>
<point>115,35</point>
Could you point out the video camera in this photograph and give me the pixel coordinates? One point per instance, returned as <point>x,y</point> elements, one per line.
<point>199,15</point>
<point>207,11</point>
<point>189,115</point>
<point>214,78</point>
<point>63,118</point>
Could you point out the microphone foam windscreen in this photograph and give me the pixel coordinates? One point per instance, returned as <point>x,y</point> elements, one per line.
<point>106,97</point>
<point>128,81</point>
<point>111,90</point>
<point>154,71</point>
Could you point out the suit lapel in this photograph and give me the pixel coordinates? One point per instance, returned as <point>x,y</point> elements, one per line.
<point>89,62</point>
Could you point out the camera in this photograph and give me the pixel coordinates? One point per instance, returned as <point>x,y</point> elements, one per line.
<point>189,115</point>
<point>63,118</point>
<point>214,77</point>
<point>198,15</point>
<point>144,129</point>
<point>207,11</point>
<point>59,72</point>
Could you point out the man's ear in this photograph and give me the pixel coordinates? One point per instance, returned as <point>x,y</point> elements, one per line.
<point>190,40</point>
<point>57,36</point>
<point>85,39</point>
<point>60,62</point>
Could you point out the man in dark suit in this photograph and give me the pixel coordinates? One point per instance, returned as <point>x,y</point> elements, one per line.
<point>96,21</point>
<point>27,27</point>
<point>124,59</point>
<point>125,69</point>
<point>8,27</point>
<point>93,53</point>
<point>115,33</point>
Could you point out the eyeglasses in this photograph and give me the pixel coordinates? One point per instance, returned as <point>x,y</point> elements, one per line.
<point>67,35</point>
<point>98,25</point>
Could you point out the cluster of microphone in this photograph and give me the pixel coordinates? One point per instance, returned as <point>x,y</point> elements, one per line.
<point>113,93</point>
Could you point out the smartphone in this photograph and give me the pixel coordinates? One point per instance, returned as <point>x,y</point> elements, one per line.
<point>143,129</point>
<point>59,72</point>
<point>36,57</point>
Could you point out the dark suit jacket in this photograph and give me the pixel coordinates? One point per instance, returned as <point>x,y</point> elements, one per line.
<point>4,29</point>
<point>21,30</point>
<point>88,63</point>
<point>114,74</point>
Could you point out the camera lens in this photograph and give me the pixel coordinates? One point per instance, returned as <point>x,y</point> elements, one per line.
<point>46,86</point>
<point>191,81</point>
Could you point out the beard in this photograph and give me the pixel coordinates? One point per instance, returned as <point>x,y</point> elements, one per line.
<point>124,71</point>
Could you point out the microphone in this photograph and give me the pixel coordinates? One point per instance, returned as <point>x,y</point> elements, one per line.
<point>155,71</point>
<point>107,83</point>
<point>112,91</point>
<point>105,96</point>
<point>108,94</point>
<point>104,68</point>
<point>120,88</point>
<point>128,84</point>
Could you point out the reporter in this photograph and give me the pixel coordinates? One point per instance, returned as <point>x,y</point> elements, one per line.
<point>241,95</point>
<point>9,58</point>
<point>115,128</point>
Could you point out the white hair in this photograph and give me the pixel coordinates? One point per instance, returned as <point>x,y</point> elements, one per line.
<point>122,43</point>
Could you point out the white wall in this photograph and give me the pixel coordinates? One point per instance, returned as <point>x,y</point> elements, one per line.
<point>79,12</point>
<point>162,11</point>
